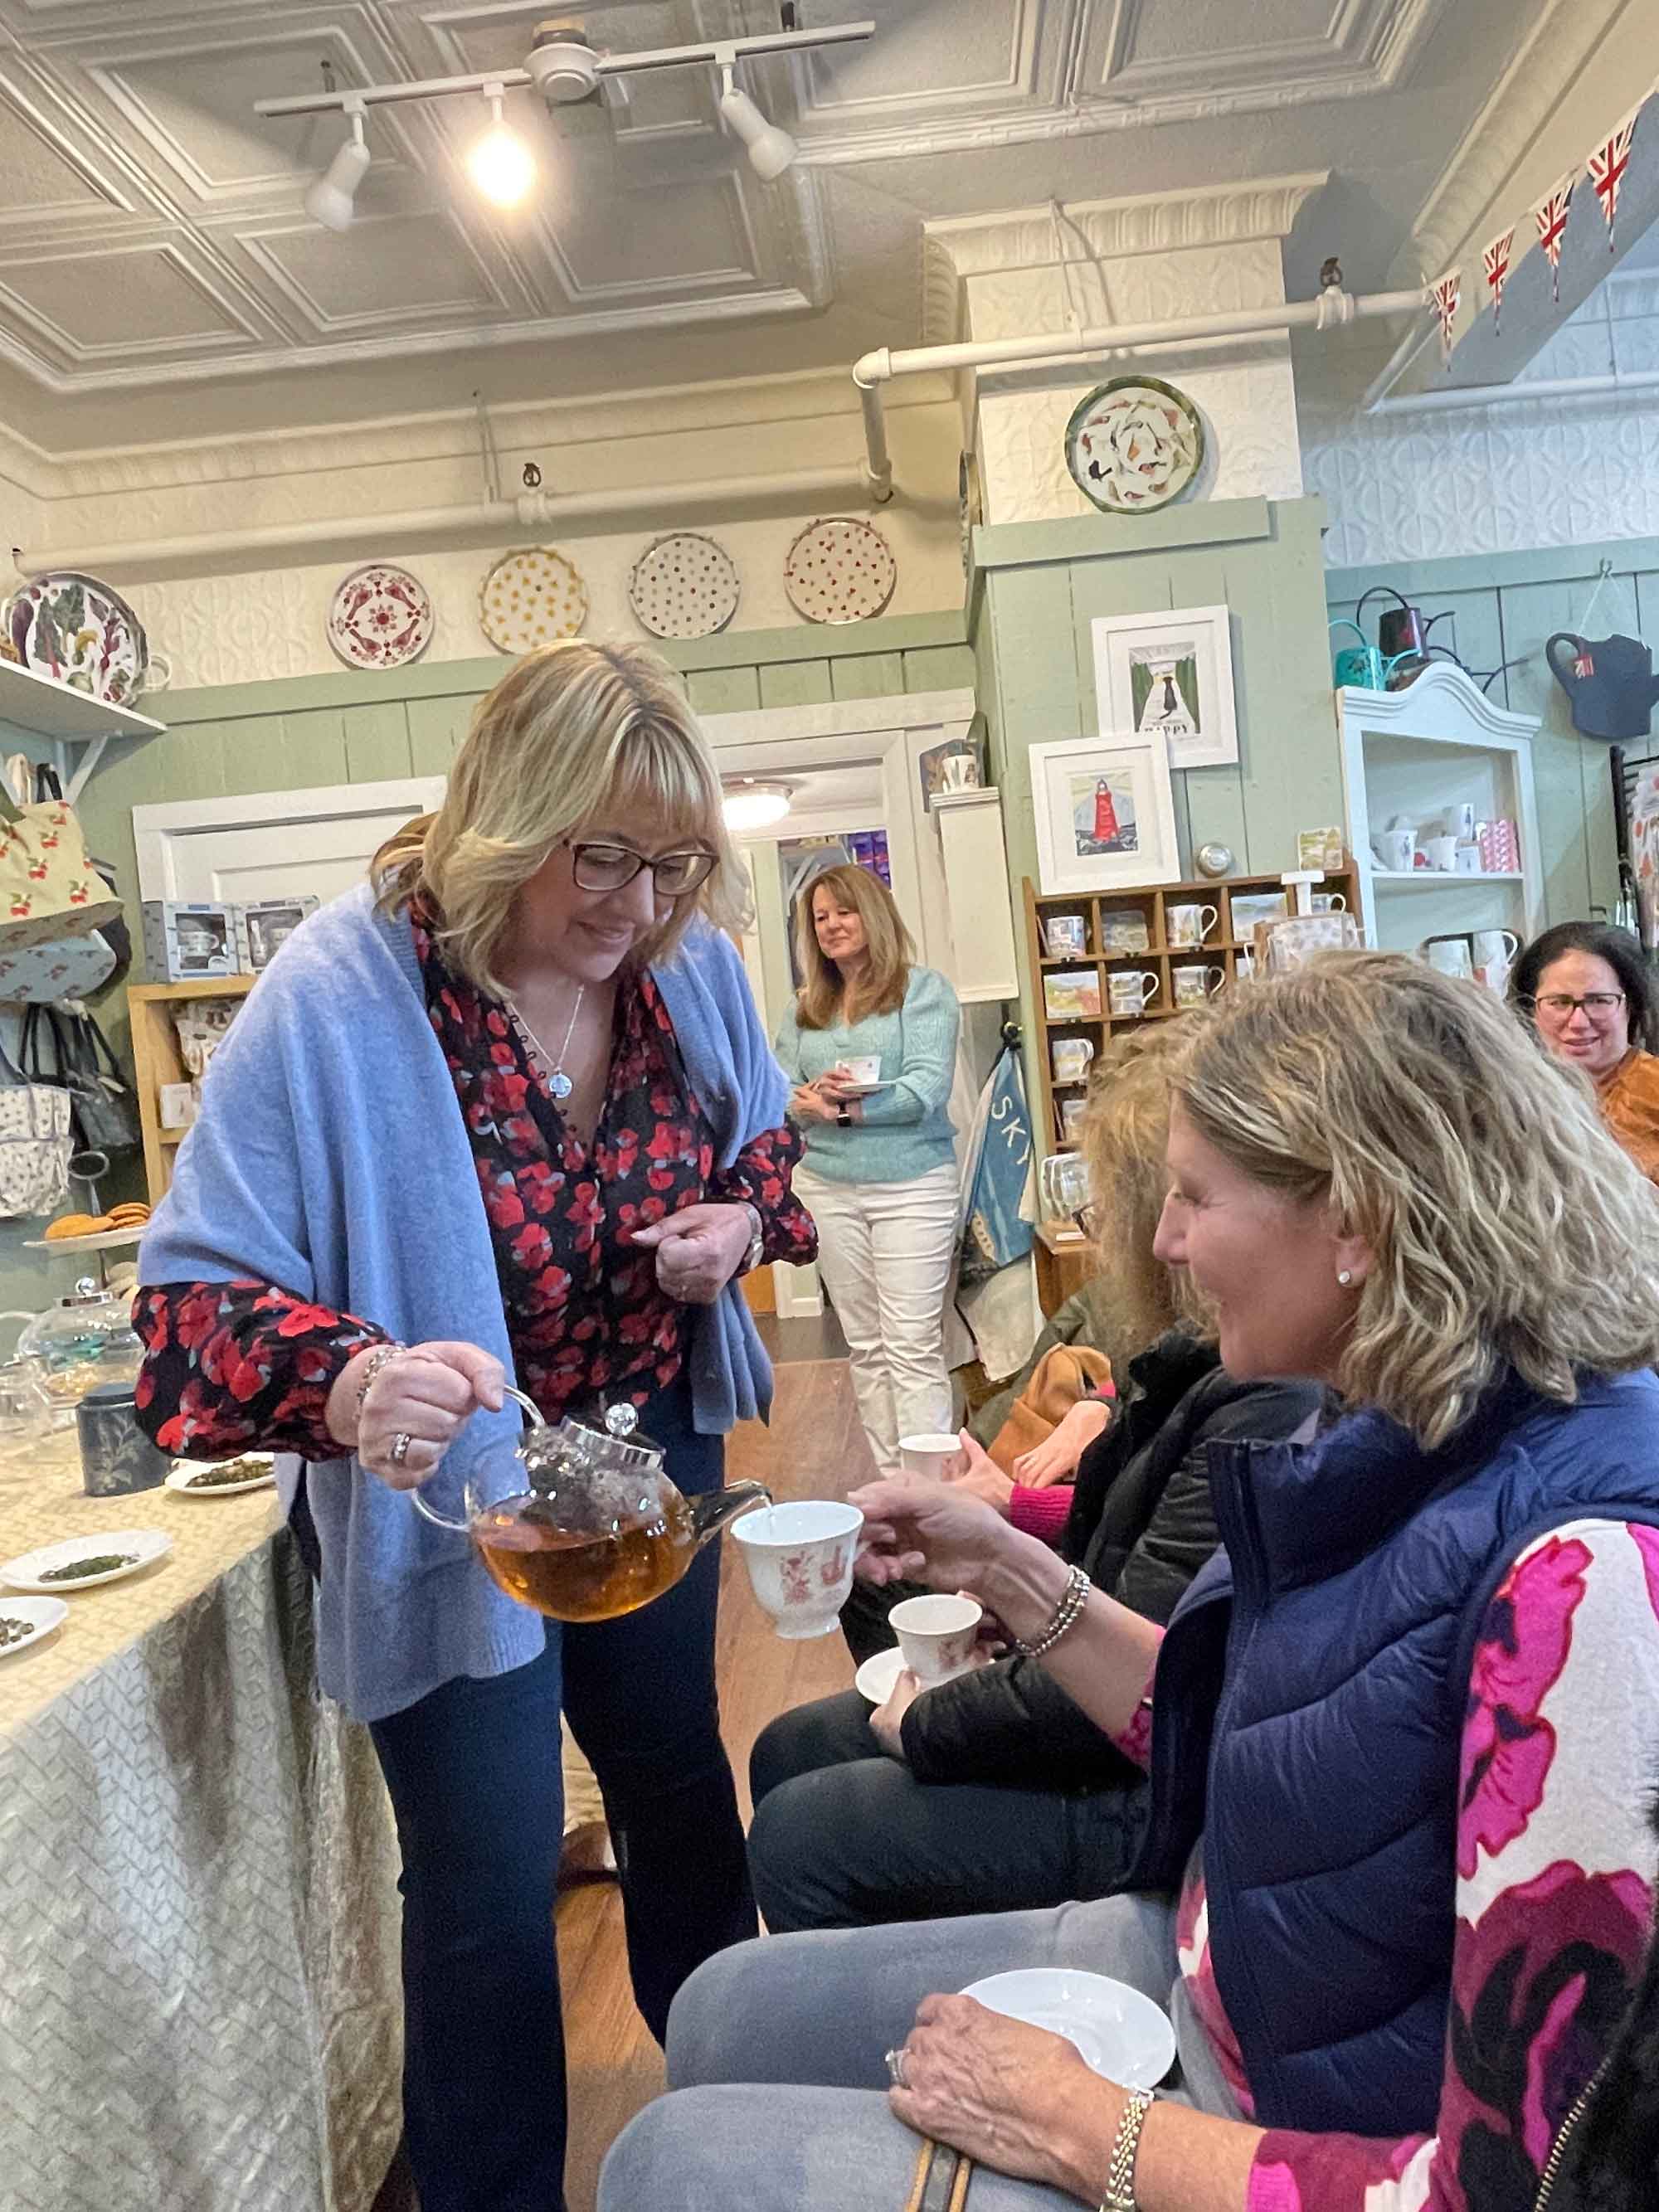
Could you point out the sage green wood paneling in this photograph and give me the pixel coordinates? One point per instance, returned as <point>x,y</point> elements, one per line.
<point>939,668</point>
<point>377,742</point>
<point>796,684</point>
<point>862,676</point>
<point>724,690</point>
<point>436,727</point>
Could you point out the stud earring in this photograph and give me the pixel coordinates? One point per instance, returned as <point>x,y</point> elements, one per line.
<point>1344,1276</point>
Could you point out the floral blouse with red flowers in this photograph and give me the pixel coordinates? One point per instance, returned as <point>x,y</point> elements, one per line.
<point>244,1363</point>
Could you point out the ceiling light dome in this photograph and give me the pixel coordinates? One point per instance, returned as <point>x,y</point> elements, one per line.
<point>562,65</point>
<point>753,805</point>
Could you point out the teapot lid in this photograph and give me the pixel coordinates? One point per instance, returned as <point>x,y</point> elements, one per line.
<point>618,1445</point>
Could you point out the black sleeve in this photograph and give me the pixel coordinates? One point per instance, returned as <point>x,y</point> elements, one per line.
<point>1011,1724</point>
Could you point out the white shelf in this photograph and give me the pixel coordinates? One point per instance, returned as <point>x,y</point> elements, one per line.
<point>34,703</point>
<point>1432,879</point>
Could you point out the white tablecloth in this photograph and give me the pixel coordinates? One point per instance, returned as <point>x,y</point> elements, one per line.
<point>200,2008</point>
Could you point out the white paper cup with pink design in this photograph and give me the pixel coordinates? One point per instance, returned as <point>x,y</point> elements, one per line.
<point>799,1558</point>
<point>937,1636</point>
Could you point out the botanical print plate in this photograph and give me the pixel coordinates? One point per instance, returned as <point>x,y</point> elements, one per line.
<point>840,571</point>
<point>81,633</point>
<point>531,597</point>
<point>684,586</point>
<point>40,1568</point>
<point>381,617</point>
<point>25,1620</point>
<point>1135,444</point>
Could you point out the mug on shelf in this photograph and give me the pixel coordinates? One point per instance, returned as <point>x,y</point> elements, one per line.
<point>1190,924</point>
<point>1071,1111</point>
<point>1329,903</point>
<point>1396,850</point>
<point>1134,990</point>
<point>961,772</point>
<point>1070,1057</point>
<point>1441,853</point>
<point>1468,861</point>
<point>1451,955</point>
<point>1065,935</point>
<point>1194,986</point>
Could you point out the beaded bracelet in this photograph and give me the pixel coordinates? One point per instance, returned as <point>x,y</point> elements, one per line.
<point>1120,2173</point>
<point>1068,1613</point>
<point>383,1357</point>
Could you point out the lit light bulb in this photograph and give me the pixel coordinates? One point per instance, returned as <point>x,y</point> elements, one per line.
<point>755,806</point>
<point>499,163</point>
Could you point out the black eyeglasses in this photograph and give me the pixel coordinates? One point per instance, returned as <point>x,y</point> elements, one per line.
<point>613,867</point>
<point>1561,1007</point>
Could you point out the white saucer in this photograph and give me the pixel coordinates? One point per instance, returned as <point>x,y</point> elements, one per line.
<point>145,1544</point>
<point>43,1614</point>
<point>1118,2033</point>
<point>876,1678</point>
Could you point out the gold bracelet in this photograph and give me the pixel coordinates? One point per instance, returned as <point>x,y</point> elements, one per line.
<point>1121,2172</point>
<point>383,1357</point>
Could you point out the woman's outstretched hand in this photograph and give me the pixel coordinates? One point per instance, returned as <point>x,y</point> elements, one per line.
<point>931,1532</point>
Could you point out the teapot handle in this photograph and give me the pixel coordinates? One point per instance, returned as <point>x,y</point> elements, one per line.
<point>430,1512</point>
<point>1565,677</point>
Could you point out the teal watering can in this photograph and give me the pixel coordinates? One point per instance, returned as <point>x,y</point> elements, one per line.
<point>1364,664</point>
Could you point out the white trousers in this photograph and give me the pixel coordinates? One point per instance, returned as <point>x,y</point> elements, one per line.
<point>884,1252</point>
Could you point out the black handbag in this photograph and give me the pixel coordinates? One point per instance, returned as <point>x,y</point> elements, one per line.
<point>103,1104</point>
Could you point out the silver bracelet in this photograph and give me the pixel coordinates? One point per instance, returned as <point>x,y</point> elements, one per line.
<point>371,1366</point>
<point>1121,2172</point>
<point>1067,1615</point>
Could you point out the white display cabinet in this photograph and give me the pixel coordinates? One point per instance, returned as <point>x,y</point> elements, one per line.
<point>1420,754</point>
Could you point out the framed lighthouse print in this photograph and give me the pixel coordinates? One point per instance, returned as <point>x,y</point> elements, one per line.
<point>1105,814</point>
<point>1172,673</point>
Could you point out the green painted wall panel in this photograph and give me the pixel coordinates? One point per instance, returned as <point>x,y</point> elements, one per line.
<point>796,683</point>
<point>377,742</point>
<point>724,690</point>
<point>939,668</point>
<point>436,727</point>
<point>861,676</point>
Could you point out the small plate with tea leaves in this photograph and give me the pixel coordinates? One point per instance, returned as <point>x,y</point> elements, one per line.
<point>201,1478</point>
<point>80,1562</point>
<point>25,1620</point>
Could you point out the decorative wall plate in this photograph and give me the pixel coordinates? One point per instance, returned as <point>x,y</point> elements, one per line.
<point>1135,444</point>
<point>81,633</point>
<point>381,617</point>
<point>531,597</point>
<point>840,571</point>
<point>684,586</point>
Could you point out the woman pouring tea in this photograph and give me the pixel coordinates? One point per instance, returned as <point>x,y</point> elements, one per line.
<point>503,1114</point>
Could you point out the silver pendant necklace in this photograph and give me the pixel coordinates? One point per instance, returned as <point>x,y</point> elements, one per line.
<point>557,1081</point>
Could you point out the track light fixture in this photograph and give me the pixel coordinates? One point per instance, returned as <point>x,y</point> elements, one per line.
<point>499,163</point>
<point>771,150</point>
<point>333,198</point>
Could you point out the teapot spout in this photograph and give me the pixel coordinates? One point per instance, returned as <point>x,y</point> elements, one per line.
<point>716,1508</point>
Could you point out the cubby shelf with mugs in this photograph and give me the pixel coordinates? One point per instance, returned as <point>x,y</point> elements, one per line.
<point>1110,960</point>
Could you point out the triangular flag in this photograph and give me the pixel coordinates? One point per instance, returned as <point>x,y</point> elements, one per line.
<point>1607,167</point>
<point>1551,216</point>
<point>1448,296</point>
<point>1495,260</point>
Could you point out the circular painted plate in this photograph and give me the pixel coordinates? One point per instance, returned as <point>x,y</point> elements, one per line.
<point>684,586</point>
<point>1135,444</point>
<point>840,571</point>
<point>531,597</point>
<point>381,617</point>
<point>81,633</point>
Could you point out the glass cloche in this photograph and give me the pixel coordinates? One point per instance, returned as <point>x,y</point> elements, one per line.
<point>80,1341</point>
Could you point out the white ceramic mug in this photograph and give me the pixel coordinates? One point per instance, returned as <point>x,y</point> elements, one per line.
<point>1067,936</point>
<point>1070,1057</point>
<point>1329,903</point>
<point>1194,986</point>
<point>1451,955</point>
<point>1396,849</point>
<point>1188,925</point>
<point>937,1635</point>
<point>1441,853</point>
<point>928,1454</point>
<point>1134,990</point>
<point>865,1068</point>
<point>961,772</point>
<point>799,1558</point>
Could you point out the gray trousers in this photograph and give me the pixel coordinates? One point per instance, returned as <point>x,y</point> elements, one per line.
<point>777,2071</point>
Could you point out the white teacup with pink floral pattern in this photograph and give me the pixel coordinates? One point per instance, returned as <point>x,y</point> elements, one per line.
<point>937,1636</point>
<point>799,1558</point>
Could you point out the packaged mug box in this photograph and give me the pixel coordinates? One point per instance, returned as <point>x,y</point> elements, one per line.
<point>185,940</point>
<point>177,1102</point>
<point>1072,994</point>
<point>267,925</point>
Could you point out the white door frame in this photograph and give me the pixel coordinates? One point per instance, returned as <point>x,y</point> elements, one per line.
<point>158,830</point>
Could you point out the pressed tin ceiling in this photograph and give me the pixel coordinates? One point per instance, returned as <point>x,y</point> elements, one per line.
<point>157,270</point>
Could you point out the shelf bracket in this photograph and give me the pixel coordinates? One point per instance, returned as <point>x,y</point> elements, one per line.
<point>75,784</point>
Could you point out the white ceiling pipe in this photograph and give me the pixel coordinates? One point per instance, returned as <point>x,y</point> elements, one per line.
<point>872,370</point>
<point>532,511</point>
<point>1503,395</point>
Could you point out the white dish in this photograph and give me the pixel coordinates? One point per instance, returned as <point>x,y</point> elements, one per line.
<point>876,1678</point>
<point>146,1546</point>
<point>183,1470</point>
<point>1118,2033</point>
<point>43,1614</point>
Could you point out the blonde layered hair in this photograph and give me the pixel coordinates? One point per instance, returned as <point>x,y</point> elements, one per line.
<point>1124,1138</point>
<point>1508,1228</point>
<point>891,952</point>
<point>574,736</point>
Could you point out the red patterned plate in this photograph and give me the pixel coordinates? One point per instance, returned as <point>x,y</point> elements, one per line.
<point>381,617</point>
<point>840,571</point>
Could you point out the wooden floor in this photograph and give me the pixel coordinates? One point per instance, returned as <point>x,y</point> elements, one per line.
<point>814,1448</point>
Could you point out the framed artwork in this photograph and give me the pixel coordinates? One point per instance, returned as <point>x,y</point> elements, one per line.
<point>1170,674</point>
<point>1104,813</point>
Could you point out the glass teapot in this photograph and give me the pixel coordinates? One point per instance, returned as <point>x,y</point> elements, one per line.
<point>593,1528</point>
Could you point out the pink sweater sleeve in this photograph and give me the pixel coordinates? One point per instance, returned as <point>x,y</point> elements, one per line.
<point>1041,1513</point>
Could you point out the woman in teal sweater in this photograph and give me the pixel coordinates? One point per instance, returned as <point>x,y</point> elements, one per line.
<point>879,1177</point>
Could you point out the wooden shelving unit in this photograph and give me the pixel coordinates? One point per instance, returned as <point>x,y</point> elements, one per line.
<point>156,1060</point>
<point>1149,903</point>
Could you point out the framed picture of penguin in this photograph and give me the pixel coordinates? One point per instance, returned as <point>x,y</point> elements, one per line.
<point>1170,675</point>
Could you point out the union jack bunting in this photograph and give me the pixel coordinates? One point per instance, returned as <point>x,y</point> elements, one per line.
<point>1496,262</point>
<point>1551,216</point>
<point>1607,167</point>
<point>1448,297</point>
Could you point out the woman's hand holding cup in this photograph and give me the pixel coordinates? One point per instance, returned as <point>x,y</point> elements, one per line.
<point>931,1532</point>
<point>414,1408</point>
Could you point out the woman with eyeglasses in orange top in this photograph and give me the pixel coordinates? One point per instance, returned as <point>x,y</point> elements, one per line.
<point>1595,1001</point>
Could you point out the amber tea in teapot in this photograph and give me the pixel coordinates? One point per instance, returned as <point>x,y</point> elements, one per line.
<point>601,1530</point>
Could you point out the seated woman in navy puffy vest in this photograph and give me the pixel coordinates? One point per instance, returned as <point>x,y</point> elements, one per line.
<point>1397,1884</point>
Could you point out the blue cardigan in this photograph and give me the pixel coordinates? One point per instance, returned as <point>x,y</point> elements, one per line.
<point>330,1158</point>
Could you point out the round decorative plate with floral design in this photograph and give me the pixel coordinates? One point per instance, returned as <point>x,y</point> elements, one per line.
<point>684,586</point>
<point>531,597</point>
<point>1135,444</point>
<point>81,633</point>
<point>381,617</point>
<point>840,571</point>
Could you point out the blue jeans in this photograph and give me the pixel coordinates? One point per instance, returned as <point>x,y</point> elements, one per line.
<point>477,1784</point>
